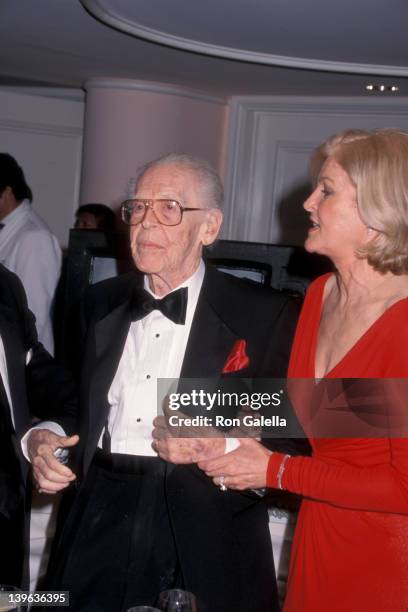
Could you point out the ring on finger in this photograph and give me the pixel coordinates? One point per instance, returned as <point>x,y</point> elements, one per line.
<point>223,485</point>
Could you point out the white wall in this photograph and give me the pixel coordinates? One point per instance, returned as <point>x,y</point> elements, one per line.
<point>270,141</point>
<point>45,136</point>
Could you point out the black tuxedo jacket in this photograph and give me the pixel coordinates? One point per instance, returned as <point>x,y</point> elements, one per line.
<point>222,538</point>
<point>38,387</point>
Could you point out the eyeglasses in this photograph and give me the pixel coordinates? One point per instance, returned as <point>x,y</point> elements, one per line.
<point>167,212</point>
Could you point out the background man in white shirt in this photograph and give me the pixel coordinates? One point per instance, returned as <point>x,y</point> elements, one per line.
<point>140,525</point>
<point>27,246</point>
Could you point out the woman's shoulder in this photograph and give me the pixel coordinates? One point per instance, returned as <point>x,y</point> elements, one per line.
<point>316,288</point>
<point>319,283</point>
<point>395,318</point>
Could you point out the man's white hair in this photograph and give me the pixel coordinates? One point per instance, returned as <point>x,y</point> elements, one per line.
<point>212,191</point>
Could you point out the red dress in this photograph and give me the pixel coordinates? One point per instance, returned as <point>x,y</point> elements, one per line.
<point>350,551</point>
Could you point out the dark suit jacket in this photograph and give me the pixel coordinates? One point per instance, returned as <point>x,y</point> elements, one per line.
<point>222,538</point>
<point>38,389</point>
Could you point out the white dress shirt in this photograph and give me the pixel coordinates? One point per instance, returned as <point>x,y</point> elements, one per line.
<point>30,250</point>
<point>154,348</point>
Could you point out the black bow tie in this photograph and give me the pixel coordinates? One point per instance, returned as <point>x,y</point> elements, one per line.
<point>173,305</point>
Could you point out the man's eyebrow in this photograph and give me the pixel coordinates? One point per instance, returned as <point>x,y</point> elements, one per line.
<point>168,195</point>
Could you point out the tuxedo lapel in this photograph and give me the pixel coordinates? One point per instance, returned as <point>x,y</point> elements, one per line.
<point>211,337</point>
<point>209,343</point>
<point>15,353</point>
<point>106,348</point>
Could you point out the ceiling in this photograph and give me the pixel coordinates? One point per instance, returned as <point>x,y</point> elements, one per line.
<point>222,47</point>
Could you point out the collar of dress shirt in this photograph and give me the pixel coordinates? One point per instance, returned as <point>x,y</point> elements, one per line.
<point>193,284</point>
<point>18,212</point>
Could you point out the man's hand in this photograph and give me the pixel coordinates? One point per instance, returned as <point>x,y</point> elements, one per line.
<point>243,468</point>
<point>185,444</point>
<point>50,474</point>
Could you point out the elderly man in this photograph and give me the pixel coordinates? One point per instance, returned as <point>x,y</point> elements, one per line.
<point>140,525</point>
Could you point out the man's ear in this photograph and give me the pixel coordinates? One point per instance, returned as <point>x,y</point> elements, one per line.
<point>7,202</point>
<point>7,192</point>
<point>211,226</point>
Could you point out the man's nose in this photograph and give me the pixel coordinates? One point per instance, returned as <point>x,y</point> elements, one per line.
<point>149,218</point>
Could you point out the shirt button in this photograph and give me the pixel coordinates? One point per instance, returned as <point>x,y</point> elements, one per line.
<point>148,376</point>
<point>157,335</point>
<point>138,420</point>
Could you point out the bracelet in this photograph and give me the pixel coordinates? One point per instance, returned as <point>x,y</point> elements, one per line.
<point>281,471</point>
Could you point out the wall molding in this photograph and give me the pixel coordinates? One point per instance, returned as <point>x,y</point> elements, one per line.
<point>113,18</point>
<point>152,87</point>
<point>270,140</point>
<point>284,148</point>
<point>325,105</point>
<point>60,93</point>
<point>30,127</point>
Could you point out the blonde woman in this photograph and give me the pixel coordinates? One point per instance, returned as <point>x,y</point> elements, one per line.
<point>350,551</point>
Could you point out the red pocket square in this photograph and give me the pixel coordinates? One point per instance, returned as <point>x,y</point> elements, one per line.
<point>237,359</point>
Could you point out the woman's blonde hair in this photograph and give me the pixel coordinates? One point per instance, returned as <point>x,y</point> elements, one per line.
<point>377,164</point>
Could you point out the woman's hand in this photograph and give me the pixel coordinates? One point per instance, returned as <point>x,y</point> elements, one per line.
<point>243,468</point>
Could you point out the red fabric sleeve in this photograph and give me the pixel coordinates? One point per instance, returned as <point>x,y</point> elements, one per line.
<point>382,488</point>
